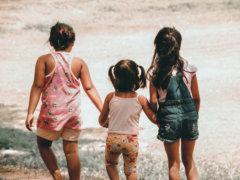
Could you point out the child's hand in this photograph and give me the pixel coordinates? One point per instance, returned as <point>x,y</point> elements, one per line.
<point>29,121</point>
<point>105,125</point>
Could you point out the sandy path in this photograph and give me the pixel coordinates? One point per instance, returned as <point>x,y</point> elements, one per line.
<point>13,173</point>
<point>107,33</point>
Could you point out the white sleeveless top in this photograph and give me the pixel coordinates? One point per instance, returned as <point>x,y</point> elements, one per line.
<point>124,114</point>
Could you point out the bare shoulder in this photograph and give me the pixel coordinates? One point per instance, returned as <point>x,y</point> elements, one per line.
<point>41,60</point>
<point>78,61</point>
<point>44,58</point>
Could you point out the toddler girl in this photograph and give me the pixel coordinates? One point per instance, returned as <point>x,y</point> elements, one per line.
<point>121,112</point>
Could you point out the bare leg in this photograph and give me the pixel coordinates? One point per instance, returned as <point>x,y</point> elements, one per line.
<point>48,157</point>
<point>172,150</point>
<point>187,158</point>
<point>73,161</point>
<point>133,176</point>
<point>112,172</point>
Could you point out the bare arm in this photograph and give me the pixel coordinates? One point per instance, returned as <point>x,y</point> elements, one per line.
<point>195,92</point>
<point>147,109</point>
<point>89,87</point>
<point>103,118</point>
<point>35,92</point>
<point>153,96</point>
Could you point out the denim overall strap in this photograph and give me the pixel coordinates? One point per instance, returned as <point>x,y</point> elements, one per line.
<point>177,116</point>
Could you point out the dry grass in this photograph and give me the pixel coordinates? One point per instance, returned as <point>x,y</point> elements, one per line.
<point>19,155</point>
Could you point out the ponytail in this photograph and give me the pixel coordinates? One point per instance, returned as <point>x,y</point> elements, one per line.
<point>113,77</point>
<point>142,78</point>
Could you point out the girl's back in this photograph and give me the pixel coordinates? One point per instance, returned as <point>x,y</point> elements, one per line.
<point>174,95</point>
<point>60,94</point>
<point>57,79</point>
<point>124,113</point>
<point>75,63</point>
<point>120,113</point>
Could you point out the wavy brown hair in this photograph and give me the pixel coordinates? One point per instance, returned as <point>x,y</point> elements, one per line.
<point>166,56</point>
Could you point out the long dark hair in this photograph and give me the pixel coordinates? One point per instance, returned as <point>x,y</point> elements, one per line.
<point>125,76</point>
<point>166,56</point>
<point>61,35</point>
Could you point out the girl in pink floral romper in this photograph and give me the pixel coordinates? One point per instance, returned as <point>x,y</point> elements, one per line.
<point>57,79</point>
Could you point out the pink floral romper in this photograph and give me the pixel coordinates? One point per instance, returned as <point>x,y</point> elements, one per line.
<point>60,98</point>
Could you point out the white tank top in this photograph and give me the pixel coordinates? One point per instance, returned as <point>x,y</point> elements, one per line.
<point>124,114</point>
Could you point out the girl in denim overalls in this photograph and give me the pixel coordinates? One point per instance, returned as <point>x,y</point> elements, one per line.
<point>174,96</point>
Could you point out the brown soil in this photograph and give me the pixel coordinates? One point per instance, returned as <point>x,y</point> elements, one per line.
<point>14,173</point>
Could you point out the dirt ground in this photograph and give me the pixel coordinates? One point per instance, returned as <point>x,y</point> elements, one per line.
<point>13,173</point>
<point>108,31</point>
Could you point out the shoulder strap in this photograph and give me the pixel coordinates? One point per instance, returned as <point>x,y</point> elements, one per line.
<point>63,58</point>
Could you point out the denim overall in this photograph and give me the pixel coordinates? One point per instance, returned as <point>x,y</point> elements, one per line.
<point>177,116</point>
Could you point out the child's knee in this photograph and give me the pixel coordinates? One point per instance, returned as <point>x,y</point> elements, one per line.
<point>131,174</point>
<point>111,163</point>
<point>187,160</point>
<point>174,167</point>
<point>130,170</point>
<point>43,142</point>
<point>70,147</point>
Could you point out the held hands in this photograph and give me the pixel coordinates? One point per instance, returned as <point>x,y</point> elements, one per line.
<point>157,123</point>
<point>29,121</point>
<point>106,123</point>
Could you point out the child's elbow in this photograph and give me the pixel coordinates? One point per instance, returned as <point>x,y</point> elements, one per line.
<point>38,86</point>
<point>88,88</point>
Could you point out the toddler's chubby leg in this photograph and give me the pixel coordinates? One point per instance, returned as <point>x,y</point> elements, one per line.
<point>112,153</point>
<point>112,172</point>
<point>130,155</point>
<point>48,157</point>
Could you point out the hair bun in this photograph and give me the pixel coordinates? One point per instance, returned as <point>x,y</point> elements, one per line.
<point>61,36</point>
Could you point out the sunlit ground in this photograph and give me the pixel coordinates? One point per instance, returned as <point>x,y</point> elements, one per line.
<point>108,31</point>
